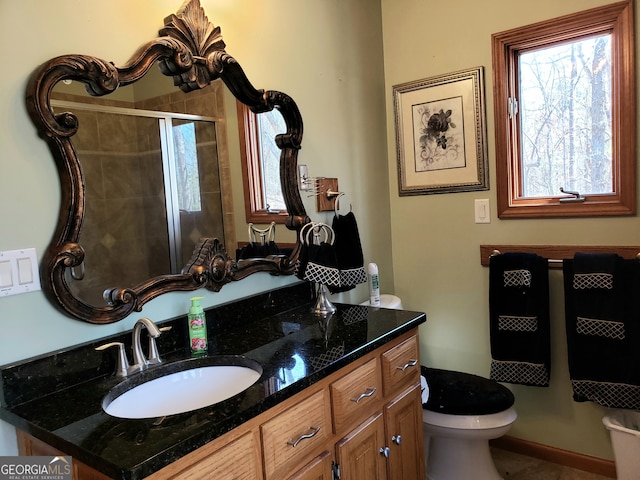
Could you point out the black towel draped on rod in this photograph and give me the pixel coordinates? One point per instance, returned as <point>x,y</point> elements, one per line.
<point>556,253</point>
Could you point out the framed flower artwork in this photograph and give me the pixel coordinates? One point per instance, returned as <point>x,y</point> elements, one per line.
<point>441,134</point>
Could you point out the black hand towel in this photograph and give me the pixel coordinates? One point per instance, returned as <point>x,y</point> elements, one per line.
<point>603,329</point>
<point>519,319</point>
<point>256,250</point>
<point>350,259</point>
<point>322,265</point>
<point>594,271</point>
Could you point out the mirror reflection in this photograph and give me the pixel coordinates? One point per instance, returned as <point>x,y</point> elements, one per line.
<point>133,161</point>
<point>151,167</point>
<point>270,124</point>
<point>264,200</point>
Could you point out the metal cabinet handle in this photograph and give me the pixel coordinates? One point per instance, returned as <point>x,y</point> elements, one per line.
<point>397,439</point>
<point>367,393</point>
<point>385,451</point>
<point>412,363</point>
<point>314,432</point>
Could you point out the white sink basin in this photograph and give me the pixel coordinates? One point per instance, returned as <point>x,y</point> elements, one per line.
<point>181,391</point>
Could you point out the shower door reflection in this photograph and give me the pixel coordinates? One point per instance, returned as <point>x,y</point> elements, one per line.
<point>197,203</point>
<point>152,186</point>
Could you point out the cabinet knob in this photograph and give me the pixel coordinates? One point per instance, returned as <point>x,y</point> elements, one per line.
<point>385,451</point>
<point>314,432</point>
<point>397,439</point>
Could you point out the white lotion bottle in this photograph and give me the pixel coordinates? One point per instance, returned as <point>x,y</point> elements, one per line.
<point>374,285</point>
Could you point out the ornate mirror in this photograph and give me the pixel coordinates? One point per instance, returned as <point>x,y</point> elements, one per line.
<point>191,52</point>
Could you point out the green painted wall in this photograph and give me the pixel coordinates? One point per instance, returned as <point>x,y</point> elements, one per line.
<point>436,243</point>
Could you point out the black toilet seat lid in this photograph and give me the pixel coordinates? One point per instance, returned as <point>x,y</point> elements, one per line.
<point>459,393</point>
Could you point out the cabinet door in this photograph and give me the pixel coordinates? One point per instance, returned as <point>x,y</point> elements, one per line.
<point>403,419</point>
<point>358,454</point>
<point>317,469</point>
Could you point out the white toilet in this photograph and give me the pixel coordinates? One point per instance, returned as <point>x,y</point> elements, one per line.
<point>462,414</point>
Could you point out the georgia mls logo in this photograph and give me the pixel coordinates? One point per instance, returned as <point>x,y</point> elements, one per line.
<point>35,468</point>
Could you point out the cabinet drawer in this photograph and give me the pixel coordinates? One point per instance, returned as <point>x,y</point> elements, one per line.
<point>237,461</point>
<point>296,432</point>
<point>355,395</point>
<point>401,365</point>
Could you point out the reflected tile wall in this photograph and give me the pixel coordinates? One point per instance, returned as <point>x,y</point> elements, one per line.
<point>126,177</point>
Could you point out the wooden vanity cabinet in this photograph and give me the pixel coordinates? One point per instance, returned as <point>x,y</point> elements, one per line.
<point>31,446</point>
<point>363,422</point>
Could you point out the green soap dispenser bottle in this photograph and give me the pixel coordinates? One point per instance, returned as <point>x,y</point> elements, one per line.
<point>197,327</point>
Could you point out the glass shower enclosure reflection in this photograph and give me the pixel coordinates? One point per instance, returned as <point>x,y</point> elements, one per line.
<point>153,190</point>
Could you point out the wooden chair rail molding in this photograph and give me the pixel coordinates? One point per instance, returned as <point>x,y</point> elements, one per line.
<point>558,252</point>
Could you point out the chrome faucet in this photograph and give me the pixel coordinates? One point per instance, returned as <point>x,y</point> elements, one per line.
<point>139,360</point>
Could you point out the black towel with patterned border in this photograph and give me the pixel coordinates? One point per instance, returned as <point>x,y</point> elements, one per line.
<point>349,255</point>
<point>602,316</point>
<point>519,319</point>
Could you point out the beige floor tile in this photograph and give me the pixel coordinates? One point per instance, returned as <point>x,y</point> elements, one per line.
<point>513,466</point>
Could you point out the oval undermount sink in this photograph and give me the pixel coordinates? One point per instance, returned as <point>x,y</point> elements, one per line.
<point>181,387</point>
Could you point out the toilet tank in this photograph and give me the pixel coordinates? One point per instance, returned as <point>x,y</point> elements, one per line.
<point>388,301</point>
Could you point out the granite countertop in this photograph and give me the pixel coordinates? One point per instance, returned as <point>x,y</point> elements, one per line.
<point>58,398</point>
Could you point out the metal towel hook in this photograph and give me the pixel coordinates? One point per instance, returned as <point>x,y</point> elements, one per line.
<point>337,204</point>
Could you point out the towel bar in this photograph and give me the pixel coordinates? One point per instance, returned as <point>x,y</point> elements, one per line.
<point>557,252</point>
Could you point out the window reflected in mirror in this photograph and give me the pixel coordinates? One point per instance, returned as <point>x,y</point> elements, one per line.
<point>264,202</point>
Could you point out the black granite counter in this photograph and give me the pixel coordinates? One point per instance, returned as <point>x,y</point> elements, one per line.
<point>58,397</point>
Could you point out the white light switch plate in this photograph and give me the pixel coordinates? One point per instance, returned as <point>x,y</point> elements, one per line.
<point>19,272</point>
<point>482,213</point>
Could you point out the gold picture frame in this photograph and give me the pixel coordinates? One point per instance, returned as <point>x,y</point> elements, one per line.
<point>441,137</point>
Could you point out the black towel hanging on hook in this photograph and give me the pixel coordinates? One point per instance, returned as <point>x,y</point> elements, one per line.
<point>348,248</point>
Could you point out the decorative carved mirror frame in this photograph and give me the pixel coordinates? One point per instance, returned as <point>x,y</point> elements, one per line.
<point>191,50</point>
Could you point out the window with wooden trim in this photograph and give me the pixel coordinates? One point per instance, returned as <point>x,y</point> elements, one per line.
<point>260,155</point>
<point>564,107</point>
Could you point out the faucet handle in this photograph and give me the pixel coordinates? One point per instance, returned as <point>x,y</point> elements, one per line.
<point>154,356</point>
<point>122,364</point>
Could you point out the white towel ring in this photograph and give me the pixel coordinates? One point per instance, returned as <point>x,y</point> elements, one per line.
<point>266,235</point>
<point>318,229</point>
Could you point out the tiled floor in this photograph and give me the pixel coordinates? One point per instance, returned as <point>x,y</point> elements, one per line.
<point>513,466</point>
